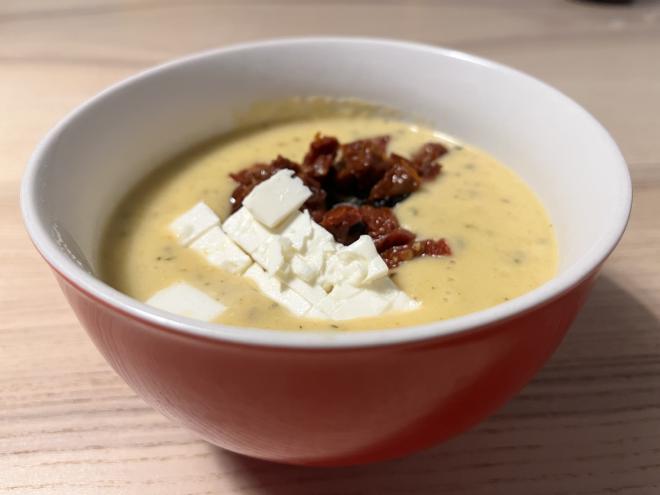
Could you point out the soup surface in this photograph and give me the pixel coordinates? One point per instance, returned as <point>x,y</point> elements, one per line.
<point>502,240</point>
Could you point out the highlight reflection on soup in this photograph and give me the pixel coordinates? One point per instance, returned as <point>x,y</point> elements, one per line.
<point>502,241</point>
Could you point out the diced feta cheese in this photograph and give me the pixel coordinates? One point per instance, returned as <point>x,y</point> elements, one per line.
<point>346,302</point>
<point>276,291</point>
<point>271,254</point>
<point>245,230</point>
<point>270,250</point>
<point>297,260</point>
<point>312,293</point>
<point>297,229</point>
<point>320,236</point>
<point>315,260</point>
<point>403,302</point>
<point>185,300</point>
<point>365,249</point>
<point>316,313</point>
<point>400,301</point>
<point>383,286</point>
<point>303,270</point>
<point>344,271</point>
<point>357,264</point>
<point>319,248</point>
<point>276,198</point>
<point>194,223</point>
<point>219,250</point>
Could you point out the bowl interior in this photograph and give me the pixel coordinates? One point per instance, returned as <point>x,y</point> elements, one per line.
<point>87,164</point>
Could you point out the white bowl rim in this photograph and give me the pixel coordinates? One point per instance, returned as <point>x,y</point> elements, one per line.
<point>558,285</point>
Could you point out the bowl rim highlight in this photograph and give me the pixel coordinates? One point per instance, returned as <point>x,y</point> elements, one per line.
<point>159,320</point>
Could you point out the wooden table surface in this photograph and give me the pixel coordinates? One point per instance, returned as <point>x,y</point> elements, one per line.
<point>588,424</point>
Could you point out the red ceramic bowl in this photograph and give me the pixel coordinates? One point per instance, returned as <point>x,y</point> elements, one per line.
<point>323,398</point>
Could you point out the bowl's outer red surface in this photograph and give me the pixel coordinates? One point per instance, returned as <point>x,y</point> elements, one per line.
<point>327,406</point>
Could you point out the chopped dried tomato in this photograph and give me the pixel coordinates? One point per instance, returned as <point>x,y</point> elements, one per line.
<point>424,160</point>
<point>398,237</point>
<point>396,255</point>
<point>379,221</point>
<point>250,175</point>
<point>282,162</point>
<point>321,156</point>
<point>344,222</point>
<point>432,247</point>
<point>399,181</point>
<point>362,164</point>
<point>316,204</point>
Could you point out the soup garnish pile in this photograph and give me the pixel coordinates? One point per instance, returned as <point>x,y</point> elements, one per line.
<point>353,188</point>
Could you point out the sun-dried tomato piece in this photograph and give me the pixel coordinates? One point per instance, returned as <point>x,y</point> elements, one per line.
<point>399,181</point>
<point>432,247</point>
<point>377,145</point>
<point>345,223</point>
<point>424,160</point>
<point>282,162</point>
<point>316,204</point>
<point>396,255</point>
<point>321,156</point>
<point>379,221</point>
<point>397,237</point>
<point>259,172</point>
<point>429,171</point>
<point>250,175</point>
<point>429,152</point>
<point>362,164</point>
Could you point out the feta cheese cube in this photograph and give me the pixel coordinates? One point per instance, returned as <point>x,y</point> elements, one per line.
<point>185,300</point>
<point>314,294</point>
<point>347,302</point>
<point>344,271</point>
<point>270,250</point>
<point>219,250</point>
<point>194,223</point>
<point>246,231</point>
<point>302,269</point>
<point>316,255</point>
<point>297,229</point>
<point>311,262</point>
<point>271,254</point>
<point>403,302</point>
<point>316,314</point>
<point>276,198</point>
<point>276,291</point>
<point>320,236</point>
<point>357,264</point>
<point>365,249</point>
<point>399,300</point>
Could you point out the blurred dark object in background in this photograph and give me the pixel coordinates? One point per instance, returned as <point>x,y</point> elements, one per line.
<point>608,1</point>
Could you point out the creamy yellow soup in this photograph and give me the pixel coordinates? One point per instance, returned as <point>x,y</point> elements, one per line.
<point>502,239</point>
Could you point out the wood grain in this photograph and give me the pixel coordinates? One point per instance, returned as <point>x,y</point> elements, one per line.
<point>588,424</point>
